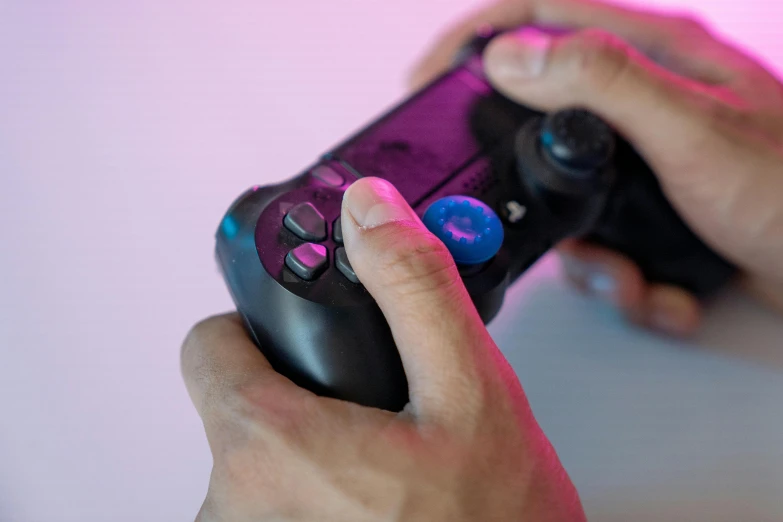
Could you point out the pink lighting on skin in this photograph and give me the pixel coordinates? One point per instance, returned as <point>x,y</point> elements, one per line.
<point>132,125</point>
<point>752,26</point>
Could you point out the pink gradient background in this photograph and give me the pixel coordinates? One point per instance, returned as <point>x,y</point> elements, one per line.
<point>126,128</point>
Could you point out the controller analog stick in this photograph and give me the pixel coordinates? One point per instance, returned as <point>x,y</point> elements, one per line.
<point>469,228</point>
<point>576,141</point>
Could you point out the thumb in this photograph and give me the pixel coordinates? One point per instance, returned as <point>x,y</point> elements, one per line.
<point>412,276</point>
<point>596,71</point>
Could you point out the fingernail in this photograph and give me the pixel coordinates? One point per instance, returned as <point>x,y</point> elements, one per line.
<point>602,285</point>
<point>373,202</point>
<point>524,55</point>
<point>592,277</point>
<point>671,314</point>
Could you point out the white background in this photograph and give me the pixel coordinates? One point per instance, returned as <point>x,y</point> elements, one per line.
<point>126,129</point>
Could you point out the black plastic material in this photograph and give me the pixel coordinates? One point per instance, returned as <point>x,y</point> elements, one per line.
<point>577,141</point>
<point>456,136</point>
<point>305,221</point>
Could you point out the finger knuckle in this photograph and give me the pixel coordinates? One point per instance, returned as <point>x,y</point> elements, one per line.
<point>724,120</point>
<point>416,260</point>
<point>686,26</point>
<point>256,424</point>
<point>242,462</point>
<point>196,364</point>
<point>249,469</point>
<point>262,405</point>
<point>202,333</point>
<point>599,59</point>
<point>195,336</point>
<point>718,112</point>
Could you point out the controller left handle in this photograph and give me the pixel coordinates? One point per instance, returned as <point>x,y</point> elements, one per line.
<point>280,251</point>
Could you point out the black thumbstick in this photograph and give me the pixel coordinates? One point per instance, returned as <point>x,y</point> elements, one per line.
<point>576,141</point>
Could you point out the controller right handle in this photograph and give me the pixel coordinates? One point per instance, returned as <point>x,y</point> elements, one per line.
<point>640,223</point>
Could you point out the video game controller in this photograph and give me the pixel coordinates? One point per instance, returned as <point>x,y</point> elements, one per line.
<point>500,184</point>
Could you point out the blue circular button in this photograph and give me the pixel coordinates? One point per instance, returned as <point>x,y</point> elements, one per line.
<point>469,228</point>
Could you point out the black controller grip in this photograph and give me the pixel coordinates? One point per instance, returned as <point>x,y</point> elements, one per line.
<point>640,223</point>
<point>327,336</point>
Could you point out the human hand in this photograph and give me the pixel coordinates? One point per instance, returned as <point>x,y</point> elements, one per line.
<point>466,448</point>
<point>707,118</point>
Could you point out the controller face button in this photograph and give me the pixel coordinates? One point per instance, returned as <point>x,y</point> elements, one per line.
<point>469,228</point>
<point>307,261</point>
<point>344,266</point>
<point>328,176</point>
<point>306,222</point>
<point>337,231</point>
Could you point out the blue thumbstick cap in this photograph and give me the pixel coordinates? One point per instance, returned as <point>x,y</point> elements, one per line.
<point>470,229</point>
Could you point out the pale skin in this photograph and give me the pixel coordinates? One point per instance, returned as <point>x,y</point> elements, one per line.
<point>710,122</point>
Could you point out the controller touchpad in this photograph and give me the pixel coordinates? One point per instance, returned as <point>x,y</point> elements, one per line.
<point>423,143</point>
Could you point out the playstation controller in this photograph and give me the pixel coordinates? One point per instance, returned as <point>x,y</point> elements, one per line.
<point>499,183</point>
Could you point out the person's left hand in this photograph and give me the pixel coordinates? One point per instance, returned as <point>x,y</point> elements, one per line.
<point>466,448</point>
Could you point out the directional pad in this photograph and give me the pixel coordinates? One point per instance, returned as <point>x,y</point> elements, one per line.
<point>308,261</point>
<point>344,266</point>
<point>338,230</point>
<point>305,221</point>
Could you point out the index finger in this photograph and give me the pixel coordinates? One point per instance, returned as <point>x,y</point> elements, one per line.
<point>677,42</point>
<point>499,15</point>
<point>218,361</point>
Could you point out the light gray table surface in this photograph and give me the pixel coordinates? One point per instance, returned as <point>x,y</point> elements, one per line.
<point>126,128</point>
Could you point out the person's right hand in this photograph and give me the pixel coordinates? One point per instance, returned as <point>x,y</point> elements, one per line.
<point>705,116</point>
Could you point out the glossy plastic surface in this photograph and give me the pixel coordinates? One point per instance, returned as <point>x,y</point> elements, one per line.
<point>456,137</point>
